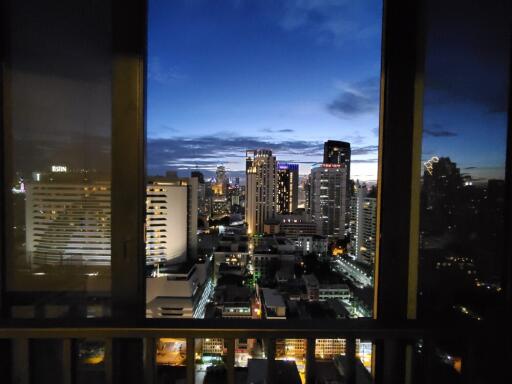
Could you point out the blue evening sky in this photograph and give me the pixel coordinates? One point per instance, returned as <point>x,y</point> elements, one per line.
<point>225,76</point>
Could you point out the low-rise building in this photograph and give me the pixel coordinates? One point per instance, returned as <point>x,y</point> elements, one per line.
<point>316,244</point>
<point>312,287</point>
<point>334,291</point>
<point>174,292</point>
<point>328,349</point>
<point>233,301</point>
<point>274,306</point>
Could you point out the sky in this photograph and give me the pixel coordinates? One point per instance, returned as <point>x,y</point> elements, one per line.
<point>226,76</point>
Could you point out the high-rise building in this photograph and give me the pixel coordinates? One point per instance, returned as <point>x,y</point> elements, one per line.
<point>363,224</point>
<point>67,216</point>
<point>307,194</point>
<point>171,219</point>
<point>202,204</point>
<point>287,187</point>
<point>261,176</point>
<point>337,152</point>
<point>222,181</point>
<point>328,199</point>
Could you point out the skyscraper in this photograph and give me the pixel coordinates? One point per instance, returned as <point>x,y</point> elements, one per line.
<point>363,224</point>
<point>328,199</point>
<point>337,152</point>
<point>261,176</point>
<point>287,187</point>
<point>222,180</point>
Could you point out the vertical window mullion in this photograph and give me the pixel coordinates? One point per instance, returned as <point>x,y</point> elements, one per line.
<point>128,147</point>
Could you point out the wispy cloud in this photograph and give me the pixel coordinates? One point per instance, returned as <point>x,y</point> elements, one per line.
<point>163,74</point>
<point>365,161</point>
<point>429,132</point>
<point>356,99</point>
<point>437,130</point>
<point>284,130</point>
<point>211,150</point>
<point>327,21</point>
<point>365,150</point>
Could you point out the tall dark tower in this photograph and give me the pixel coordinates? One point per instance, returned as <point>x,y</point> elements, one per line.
<point>337,152</point>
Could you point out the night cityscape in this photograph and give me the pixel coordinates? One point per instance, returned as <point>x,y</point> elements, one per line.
<point>263,146</point>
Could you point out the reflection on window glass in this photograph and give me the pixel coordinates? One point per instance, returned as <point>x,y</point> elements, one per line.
<point>262,158</point>
<point>171,360</point>
<point>57,123</point>
<point>291,357</point>
<point>210,367</point>
<point>331,361</point>
<point>247,350</point>
<point>364,354</point>
<point>462,211</point>
<point>464,150</point>
<point>90,361</point>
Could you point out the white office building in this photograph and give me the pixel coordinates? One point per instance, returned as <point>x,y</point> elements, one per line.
<point>171,219</point>
<point>67,219</point>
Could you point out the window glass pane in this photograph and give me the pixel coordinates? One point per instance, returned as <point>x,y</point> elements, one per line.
<point>46,361</point>
<point>292,353</point>
<point>57,132</point>
<point>464,151</point>
<point>210,355</point>
<point>262,158</point>
<point>462,213</point>
<point>90,361</point>
<point>171,360</point>
<point>331,363</point>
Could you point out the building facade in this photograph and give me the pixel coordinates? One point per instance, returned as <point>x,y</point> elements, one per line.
<point>67,218</point>
<point>328,199</point>
<point>260,202</point>
<point>363,225</point>
<point>171,219</point>
<point>287,187</point>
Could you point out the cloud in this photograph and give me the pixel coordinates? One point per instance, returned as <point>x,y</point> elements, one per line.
<point>328,21</point>
<point>356,99</point>
<point>368,149</point>
<point>438,133</point>
<point>208,151</point>
<point>284,130</point>
<point>162,74</point>
<point>365,161</point>
<point>168,129</point>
